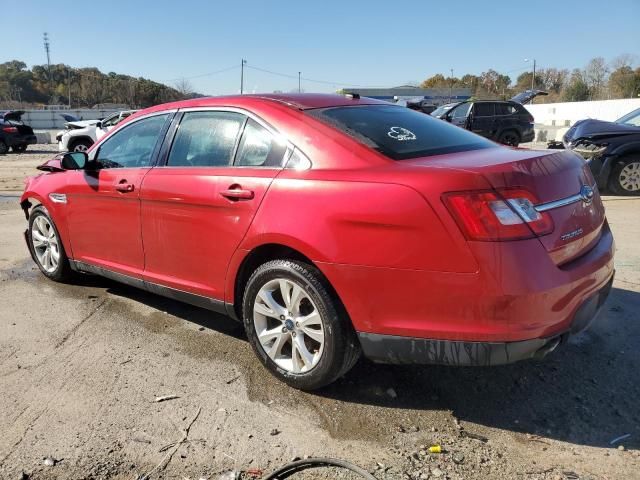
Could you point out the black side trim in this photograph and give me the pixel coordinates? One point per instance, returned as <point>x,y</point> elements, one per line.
<point>191,298</point>
<point>408,350</point>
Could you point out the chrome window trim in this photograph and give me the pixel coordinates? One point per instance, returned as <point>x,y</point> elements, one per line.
<point>563,202</point>
<point>272,130</point>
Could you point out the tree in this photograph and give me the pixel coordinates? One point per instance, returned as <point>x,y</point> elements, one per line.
<point>436,81</point>
<point>595,76</point>
<point>576,89</point>
<point>184,87</point>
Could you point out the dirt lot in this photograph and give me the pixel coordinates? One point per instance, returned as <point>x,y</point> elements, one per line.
<point>81,365</point>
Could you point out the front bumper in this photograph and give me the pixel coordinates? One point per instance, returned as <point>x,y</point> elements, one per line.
<point>408,350</point>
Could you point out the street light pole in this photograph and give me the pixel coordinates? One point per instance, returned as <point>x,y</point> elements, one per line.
<point>299,85</point>
<point>451,87</point>
<point>242,64</point>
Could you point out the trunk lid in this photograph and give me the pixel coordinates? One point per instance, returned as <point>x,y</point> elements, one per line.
<point>556,178</point>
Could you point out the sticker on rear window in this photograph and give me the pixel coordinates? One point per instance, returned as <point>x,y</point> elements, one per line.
<point>401,134</point>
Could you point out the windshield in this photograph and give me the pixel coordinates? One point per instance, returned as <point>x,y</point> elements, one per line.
<point>442,109</point>
<point>400,133</point>
<point>632,118</point>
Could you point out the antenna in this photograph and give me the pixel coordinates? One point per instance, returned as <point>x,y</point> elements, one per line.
<point>46,49</point>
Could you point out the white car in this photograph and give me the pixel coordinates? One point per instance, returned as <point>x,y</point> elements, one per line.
<point>79,136</point>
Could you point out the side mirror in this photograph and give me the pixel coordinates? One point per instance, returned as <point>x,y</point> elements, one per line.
<point>447,117</point>
<point>74,161</point>
<point>99,125</point>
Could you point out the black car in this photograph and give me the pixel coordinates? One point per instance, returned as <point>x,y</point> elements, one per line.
<point>13,133</point>
<point>504,121</point>
<point>612,151</point>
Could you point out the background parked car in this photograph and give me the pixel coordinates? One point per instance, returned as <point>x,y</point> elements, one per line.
<point>504,121</point>
<point>79,136</point>
<point>13,133</point>
<point>611,149</point>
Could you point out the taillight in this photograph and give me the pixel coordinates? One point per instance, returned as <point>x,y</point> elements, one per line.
<point>498,215</point>
<point>10,129</point>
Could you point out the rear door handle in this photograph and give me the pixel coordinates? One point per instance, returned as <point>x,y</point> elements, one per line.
<point>237,194</point>
<point>124,186</point>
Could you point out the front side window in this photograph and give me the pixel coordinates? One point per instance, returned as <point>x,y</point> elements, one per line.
<point>111,121</point>
<point>461,111</point>
<point>259,148</point>
<point>132,146</point>
<point>399,133</point>
<point>206,139</point>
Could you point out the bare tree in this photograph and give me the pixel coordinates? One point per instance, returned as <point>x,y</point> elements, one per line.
<point>184,87</point>
<point>596,76</point>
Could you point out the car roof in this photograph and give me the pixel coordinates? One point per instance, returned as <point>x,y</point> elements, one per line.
<point>298,101</point>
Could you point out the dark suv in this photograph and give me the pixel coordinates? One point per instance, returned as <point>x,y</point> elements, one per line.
<point>14,133</point>
<point>506,122</point>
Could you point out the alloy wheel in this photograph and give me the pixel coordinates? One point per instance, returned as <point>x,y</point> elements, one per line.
<point>81,147</point>
<point>288,325</point>
<point>629,177</point>
<point>45,244</point>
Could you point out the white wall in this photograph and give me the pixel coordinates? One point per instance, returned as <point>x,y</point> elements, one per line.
<point>566,114</point>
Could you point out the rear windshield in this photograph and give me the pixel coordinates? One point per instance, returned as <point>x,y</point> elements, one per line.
<point>400,133</point>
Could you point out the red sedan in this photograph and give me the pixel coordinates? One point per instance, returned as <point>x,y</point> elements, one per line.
<point>333,225</point>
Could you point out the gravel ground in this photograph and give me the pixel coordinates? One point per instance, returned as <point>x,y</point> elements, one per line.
<point>81,366</point>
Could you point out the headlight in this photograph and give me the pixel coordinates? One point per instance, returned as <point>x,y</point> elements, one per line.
<point>589,150</point>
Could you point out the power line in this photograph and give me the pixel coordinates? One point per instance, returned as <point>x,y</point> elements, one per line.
<point>325,82</point>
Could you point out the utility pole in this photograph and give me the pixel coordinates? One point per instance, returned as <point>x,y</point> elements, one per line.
<point>242,64</point>
<point>299,84</point>
<point>69,82</point>
<point>451,87</point>
<point>533,77</point>
<point>46,49</point>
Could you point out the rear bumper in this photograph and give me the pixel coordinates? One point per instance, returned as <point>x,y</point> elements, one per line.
<point>16,140</point>
<point>409,350</point>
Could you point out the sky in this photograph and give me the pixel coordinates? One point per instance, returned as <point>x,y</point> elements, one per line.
<point>345,43</point>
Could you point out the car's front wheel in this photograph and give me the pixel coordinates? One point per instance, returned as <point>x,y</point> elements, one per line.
<point>625,177</point>
<point>46,247</point>
<point>81,145</point>
<point>296,326</point>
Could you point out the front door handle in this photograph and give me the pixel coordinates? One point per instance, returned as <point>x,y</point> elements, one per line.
<point>237,194</point>
<point>124,186</point>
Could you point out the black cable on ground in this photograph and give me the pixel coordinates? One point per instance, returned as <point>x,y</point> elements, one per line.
<point>299,465</point>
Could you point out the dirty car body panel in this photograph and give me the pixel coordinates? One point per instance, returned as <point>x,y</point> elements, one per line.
<point>441,246</point>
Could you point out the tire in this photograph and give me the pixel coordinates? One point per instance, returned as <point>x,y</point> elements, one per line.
<point>40,223</point>
<point>625,177</point>
<point>509,137</point>
<point>3,148</point>
<point>80,145</point>
<point>19,148</point>
<point>311,363</point>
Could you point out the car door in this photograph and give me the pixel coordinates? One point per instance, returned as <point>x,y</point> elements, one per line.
<point>459,115</point>
<point>483,119</point>
<point>104,201</point>
<point>197,208</point>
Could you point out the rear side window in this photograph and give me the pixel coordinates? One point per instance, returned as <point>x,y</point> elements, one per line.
<point>400,133</point>
<point>505,109</point>
<point>205,139</point>
<point>484,109</point>
<point>259,148</point>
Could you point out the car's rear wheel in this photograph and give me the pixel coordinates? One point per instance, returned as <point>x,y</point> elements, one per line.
<point>81,145</point>
<point>509,137</point>
<point>19,148</point>
<point>296,326</point>
<point>3,148</point>
<point>46,247</point>
<point>625,177</point>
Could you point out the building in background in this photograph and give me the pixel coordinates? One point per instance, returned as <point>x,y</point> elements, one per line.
<point>435,96</point>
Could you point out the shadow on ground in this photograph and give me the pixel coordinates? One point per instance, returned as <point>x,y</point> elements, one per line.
<point>586,392</point>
